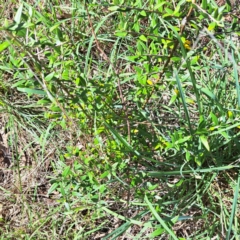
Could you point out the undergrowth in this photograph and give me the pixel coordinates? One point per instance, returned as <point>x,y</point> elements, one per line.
<point>120,119</point>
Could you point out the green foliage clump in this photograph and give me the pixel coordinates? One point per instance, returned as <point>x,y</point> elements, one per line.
<point>144,96</point>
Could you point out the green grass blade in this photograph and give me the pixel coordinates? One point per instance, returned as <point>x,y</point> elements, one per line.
<point>117,232</point>
<point>234,207</point>
<point>121,139</point>
<point>93,39</point>
<point>155,214</point>
<point>189,67</point>
<point>235,74</point>
<point>179,172</point>
<point>122,217</point>
<point>182,95</point>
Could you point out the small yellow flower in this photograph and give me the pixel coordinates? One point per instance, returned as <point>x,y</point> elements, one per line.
<point>187,44</point>
<point>230,114</point>
<point>176,91</point>
<point>135,131</point>
<point>212,128</point>
<point>149,82</point>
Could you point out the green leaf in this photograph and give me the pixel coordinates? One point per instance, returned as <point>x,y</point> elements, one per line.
<point>121,139</point>
<point>54,27</point>
<point>105,174</point>
<point>19,83</point>
<point>204,4</point>
<point>65,74</point>
<point>182,140</point>
<point>52,188</point>
<point>194,60</point>
<point>156,233</point>
<point>234,208</point>
<point>60,35</point>
<point>49,76</point>
<point>172,100</point>
<point>121,33</point>
<point>113,213</point>
<point>211,26</point>
<point>176,59</point>
<point>205,142</point>
<point>214,119</point>
<point>143,13</point>
<point>236,74</point>
<point>66,171</point>
<point>4,45</point>
<point>142,80</point>
<point>136,27</point>
<point>18,15</point>
<point>113,8</point>
<point>179,172</point>
<point>161,221</point>
<point>179,183</point>
<point>207,92</point>
<point>143,38</point>
<point>182,95</point>
<point>159,5</point>
<point>44,102</point>
<point>32,91</point>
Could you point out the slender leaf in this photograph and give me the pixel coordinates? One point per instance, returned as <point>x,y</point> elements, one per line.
<point>165,226</point>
